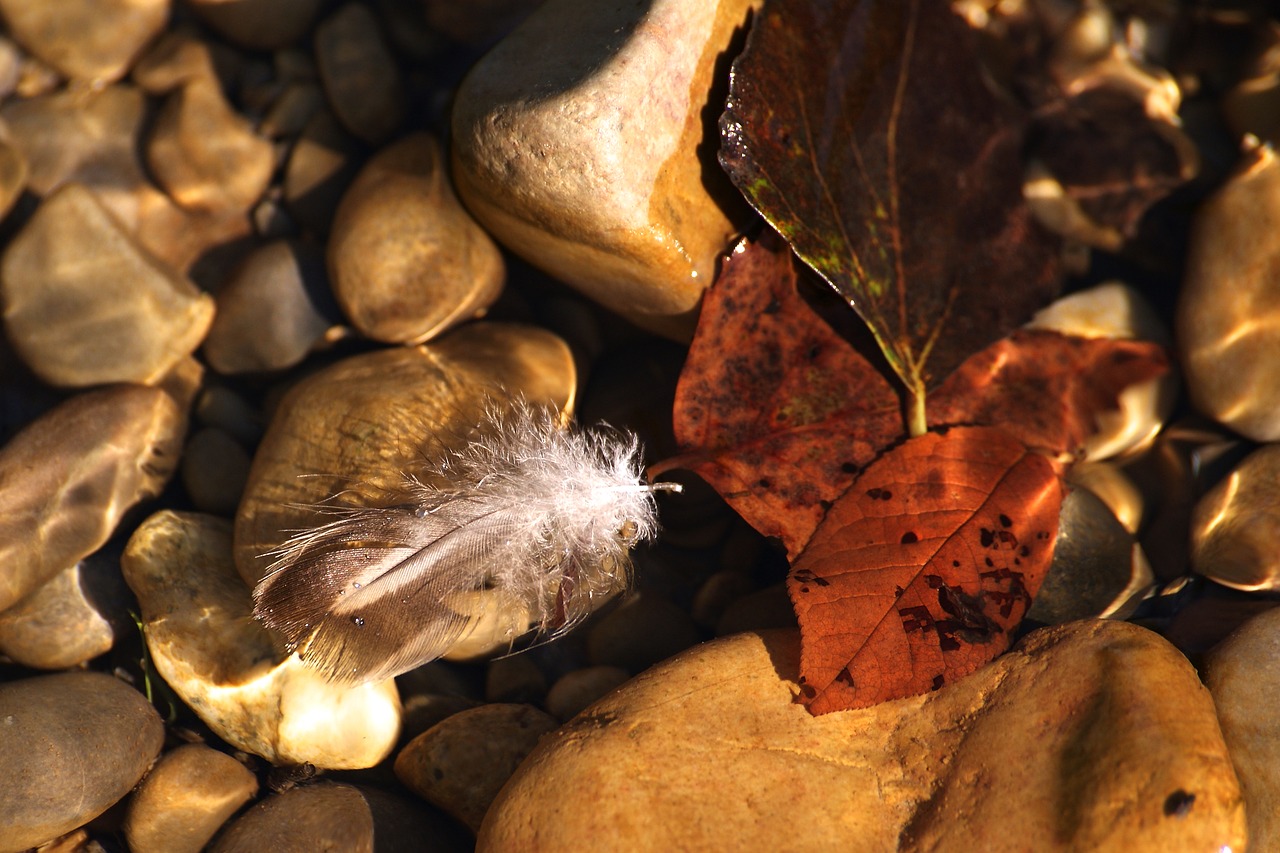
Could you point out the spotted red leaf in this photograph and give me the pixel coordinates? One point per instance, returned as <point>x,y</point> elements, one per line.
<point>920,572</point>
<point>777,411</point>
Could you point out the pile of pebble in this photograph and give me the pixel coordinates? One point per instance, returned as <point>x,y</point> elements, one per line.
<point>243,272</point>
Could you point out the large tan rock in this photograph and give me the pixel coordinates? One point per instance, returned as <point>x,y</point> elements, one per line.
<point>576,143</point>
<point>1088,736</point>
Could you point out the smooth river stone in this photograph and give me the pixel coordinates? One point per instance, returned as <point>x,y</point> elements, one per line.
<point>1087,736</point>
<point>215,468</point>
<point>13,175</point>
<point>258,24</point>
<point>204,154</point>
<point>357,426</point>
<point>1243,674</point>
<point>71,746</point>
<point>204,642</point>
<point>85,304</point>
<point>92,138</point>
<point>340,817</point>
<point>1235,525</point>
<point>322,163</point>
<point>643,629</point>
<point>178,57</point>
<point>83,137</point>
<point>70,620</point>
<point>407,262</point>
<point>460,763</point>
<point>1117,311</point>
<point>68,478</point>
<point>90,40</point>
<point>359,73</point>
<point>576,140</point>
<point>184,800</point>
<point>275,308</point>
<point>1228,313</point>
<point>1098,569</point>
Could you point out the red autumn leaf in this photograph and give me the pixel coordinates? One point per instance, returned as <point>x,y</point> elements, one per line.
<point>865,133</point>
<point>920,573</point>
<point>1044,388</point>
<point>779,413</point>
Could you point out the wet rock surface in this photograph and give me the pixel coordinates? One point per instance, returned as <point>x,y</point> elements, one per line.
<point>639,234</point>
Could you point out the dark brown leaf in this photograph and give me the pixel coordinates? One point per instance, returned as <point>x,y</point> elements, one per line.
<point>864,133</point>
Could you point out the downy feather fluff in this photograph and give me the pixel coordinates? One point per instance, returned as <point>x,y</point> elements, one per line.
<point>538,514</point>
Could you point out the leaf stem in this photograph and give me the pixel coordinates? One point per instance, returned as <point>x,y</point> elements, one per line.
<point>917,424</point>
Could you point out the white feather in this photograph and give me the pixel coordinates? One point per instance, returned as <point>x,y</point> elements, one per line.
<point>537,514</point>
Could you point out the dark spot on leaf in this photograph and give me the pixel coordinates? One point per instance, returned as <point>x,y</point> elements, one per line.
<point>898,591</point>
<point>773,307</point>
<point>955,564</point>
<point>1024,551</point>
<point>986,537</point>
<point>814,352</point>
<point>934,581</point>
<point>807,691</point>
<point>1179,803</point>
<point>916,619</point>
<point>764,483</point>
<point>938,681</point>
<point>845,677</point>
<point>1005,521</point>
<point>909,537</point>
<point>848,467</point>
<point>825,504</point>
<point>989,562</point>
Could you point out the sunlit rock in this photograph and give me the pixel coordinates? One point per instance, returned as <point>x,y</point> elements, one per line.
<point>1236,525</point>
<point>204,642</point>
<point>1228,314</point>
<point>185,798</point>
<point>1092,735</point>
<point>407,262</point>
<point>577,140</point>
<point>85,304</point>
<point>68,478</point>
